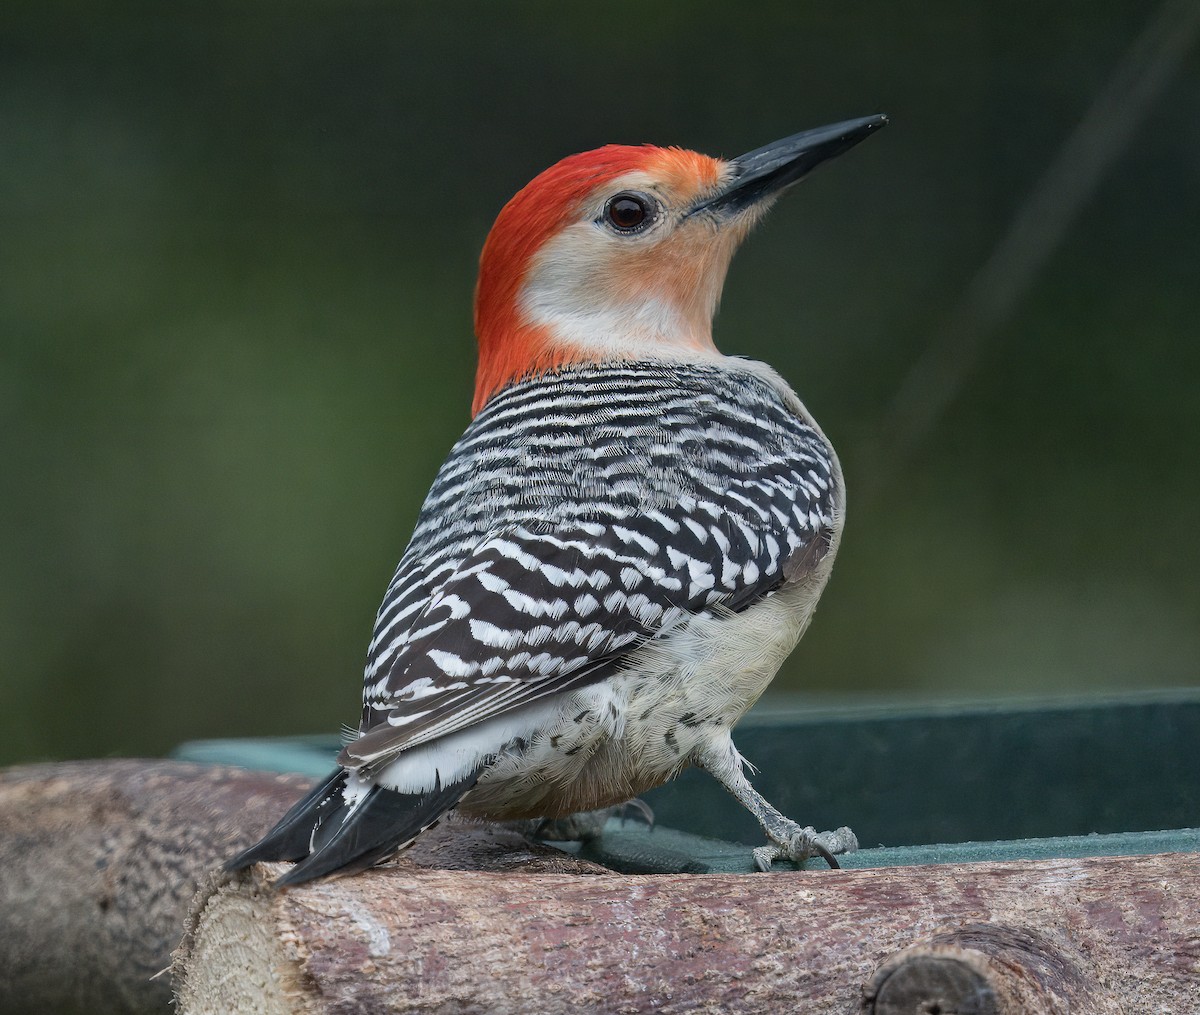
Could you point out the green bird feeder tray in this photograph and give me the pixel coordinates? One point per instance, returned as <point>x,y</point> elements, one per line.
<point>952,783</point>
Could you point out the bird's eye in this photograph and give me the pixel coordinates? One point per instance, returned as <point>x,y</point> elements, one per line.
<point>629,213</point>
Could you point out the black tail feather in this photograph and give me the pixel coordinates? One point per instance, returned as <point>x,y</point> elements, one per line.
<point>290,838</point>
<point>355,838</point>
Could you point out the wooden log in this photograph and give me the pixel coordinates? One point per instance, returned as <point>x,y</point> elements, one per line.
<point>1101,936</point>
<point>100,859</point>
<point>98,862</point>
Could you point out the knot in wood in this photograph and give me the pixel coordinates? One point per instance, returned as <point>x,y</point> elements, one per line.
<point>932,982</point>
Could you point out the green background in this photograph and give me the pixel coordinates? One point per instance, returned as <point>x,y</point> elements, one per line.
<point>237,248</point>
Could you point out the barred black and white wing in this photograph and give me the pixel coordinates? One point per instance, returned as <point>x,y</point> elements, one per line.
<point>581,516</point>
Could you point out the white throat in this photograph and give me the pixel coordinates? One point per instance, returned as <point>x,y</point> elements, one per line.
<point>589,293</point>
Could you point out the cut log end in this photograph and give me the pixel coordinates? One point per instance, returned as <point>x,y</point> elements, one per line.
<point>236,959</point>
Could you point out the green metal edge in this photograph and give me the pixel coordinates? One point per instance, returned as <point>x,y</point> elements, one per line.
<point>305,755</point>
<point>669,851</point>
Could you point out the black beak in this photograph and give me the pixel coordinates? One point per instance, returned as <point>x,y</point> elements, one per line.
<point>766,171</point>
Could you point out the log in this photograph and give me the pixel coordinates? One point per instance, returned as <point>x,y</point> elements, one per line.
<point>99,861</point>
<point>1102,936</point>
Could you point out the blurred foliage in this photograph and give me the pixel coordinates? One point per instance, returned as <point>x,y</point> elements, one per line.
<point>237,253</point>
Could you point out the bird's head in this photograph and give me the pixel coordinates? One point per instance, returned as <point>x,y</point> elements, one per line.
<point>621,252</point>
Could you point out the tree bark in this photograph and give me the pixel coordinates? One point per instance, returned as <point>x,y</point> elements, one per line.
<point>1101,936</point>
<point>98,862</point>
<point>100,859</point>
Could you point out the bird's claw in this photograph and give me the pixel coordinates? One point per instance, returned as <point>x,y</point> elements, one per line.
<point>637,808</point>
<point>803,843</point>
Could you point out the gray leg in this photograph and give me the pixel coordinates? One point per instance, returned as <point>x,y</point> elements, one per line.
<point>788,840</point>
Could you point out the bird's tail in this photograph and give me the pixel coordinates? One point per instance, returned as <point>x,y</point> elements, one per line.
<point>327,835</point>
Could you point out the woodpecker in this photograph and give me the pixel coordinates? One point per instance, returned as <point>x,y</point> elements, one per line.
<point>625,544</point>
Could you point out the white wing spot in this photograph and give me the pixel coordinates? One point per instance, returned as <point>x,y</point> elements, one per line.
<point>452,665</point>
<point>404,718</point>
<point>458,608</point>
<point>493,583</point>
<point>630,536</point>
<point>493,636</point>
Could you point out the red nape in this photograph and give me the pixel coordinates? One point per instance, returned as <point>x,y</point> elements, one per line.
<point>508,349</point>
<point>515,355</point>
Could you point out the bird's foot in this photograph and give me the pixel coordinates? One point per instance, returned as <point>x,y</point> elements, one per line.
<point>585,825</point>
<point>791,842</point>
<point>578,827</point>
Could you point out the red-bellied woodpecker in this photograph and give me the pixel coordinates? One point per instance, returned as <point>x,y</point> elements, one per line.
<point>625,544</point>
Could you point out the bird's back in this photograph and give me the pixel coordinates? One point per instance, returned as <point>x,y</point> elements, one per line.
<point>684,485</point>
